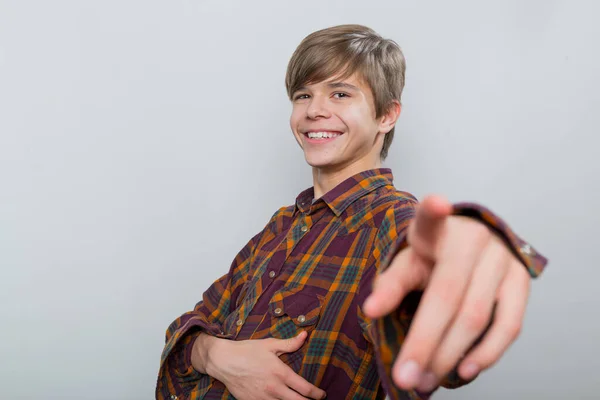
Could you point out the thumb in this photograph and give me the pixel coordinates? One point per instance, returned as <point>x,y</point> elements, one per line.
<point>426,229</point>
<point>290,345</point>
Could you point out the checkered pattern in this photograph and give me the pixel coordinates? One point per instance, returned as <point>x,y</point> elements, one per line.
<point>310,269</point>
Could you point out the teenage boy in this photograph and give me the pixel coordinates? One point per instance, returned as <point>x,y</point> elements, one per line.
<point>320,301</point>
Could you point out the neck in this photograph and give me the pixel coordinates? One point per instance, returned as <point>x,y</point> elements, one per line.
<point>325,179</point>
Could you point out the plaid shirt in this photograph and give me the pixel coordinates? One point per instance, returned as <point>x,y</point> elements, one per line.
<point>311,268</point>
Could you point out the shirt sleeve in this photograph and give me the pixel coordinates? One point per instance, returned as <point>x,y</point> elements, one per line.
<point>388,333</point>
<point>176,373</point>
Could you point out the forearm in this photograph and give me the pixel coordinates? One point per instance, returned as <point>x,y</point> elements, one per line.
<point>200,352</point>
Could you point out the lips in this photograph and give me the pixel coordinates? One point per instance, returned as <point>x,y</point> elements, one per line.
<point>321,135</point>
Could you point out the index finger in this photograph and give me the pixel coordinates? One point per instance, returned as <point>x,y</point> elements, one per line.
<point>425,229</point>
<point>302,386</point>
<point>439,305</point>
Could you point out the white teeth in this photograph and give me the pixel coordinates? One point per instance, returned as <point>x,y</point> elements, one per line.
<point>321,135</point>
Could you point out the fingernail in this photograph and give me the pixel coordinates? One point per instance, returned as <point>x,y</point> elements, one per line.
<point>428,382</point>
<point>368,304</point>
<point>409,374</point>
<point>469,371</point>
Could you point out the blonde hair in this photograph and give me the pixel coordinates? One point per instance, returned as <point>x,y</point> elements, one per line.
<point>344,50</point>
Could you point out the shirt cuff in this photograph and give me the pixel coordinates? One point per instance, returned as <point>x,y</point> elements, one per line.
<point>182,356</point>
<point>531,259</point>
<point>176,372</point>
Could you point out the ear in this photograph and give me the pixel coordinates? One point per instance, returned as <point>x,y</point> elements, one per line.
<point>388,120</point>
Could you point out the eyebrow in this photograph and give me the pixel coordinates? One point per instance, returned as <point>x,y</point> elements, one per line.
<point>334,85</point>
<point>337,85</point>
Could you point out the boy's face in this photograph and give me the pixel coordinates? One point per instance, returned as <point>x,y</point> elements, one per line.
<point>334,123</point>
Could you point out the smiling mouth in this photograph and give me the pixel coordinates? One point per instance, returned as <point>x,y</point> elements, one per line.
<point>322,135</point>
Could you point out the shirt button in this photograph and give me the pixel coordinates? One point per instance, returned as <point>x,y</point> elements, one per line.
<point>272,274</point>
<point>173,397</point>
<point>278,311</point>
<point>239,322</point>
<point>527,249</point>
<point>304,228</point>
<point>301,318</point>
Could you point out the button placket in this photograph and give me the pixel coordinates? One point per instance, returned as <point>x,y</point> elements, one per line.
<point>305,223</point>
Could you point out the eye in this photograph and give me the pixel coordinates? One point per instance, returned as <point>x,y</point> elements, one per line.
<point>300,96</point>
<point>340,95</point>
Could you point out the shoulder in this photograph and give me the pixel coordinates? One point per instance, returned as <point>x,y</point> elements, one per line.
<point>392,198</point>
<point>384,207</point>
<point>402,206</point>
<point>280,219</point>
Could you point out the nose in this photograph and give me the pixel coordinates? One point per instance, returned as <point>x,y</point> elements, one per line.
<point>317,108</point>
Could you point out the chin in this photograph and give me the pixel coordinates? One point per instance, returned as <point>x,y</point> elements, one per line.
<point>321,163</point>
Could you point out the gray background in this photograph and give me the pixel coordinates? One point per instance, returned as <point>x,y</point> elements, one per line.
<point>142,143</point>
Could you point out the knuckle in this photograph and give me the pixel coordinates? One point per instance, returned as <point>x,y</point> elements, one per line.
<point>269,388</point>
<point>305,389</point>
<point>478,232</point>
<point>419,348</point>
<point>269,343</point>
<point>485,361</point>
<point>280,373</point>
<point>476,316</point>
<point>514,330</point>
<point>440,366</point>
<point>315,391</point>
<point>389,287</point>
<point>448,291</point>
<point>475,322</point>
<point>393,285</point>
<point>521,275</point>
<point>488,357</point>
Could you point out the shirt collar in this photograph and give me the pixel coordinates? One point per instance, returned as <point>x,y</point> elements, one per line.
<point>347,192</point>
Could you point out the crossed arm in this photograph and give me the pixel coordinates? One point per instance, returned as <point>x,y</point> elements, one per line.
<point>465,268</point>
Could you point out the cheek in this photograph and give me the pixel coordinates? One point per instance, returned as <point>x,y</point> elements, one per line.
<point>296,117</point>
<point>358,120</point>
